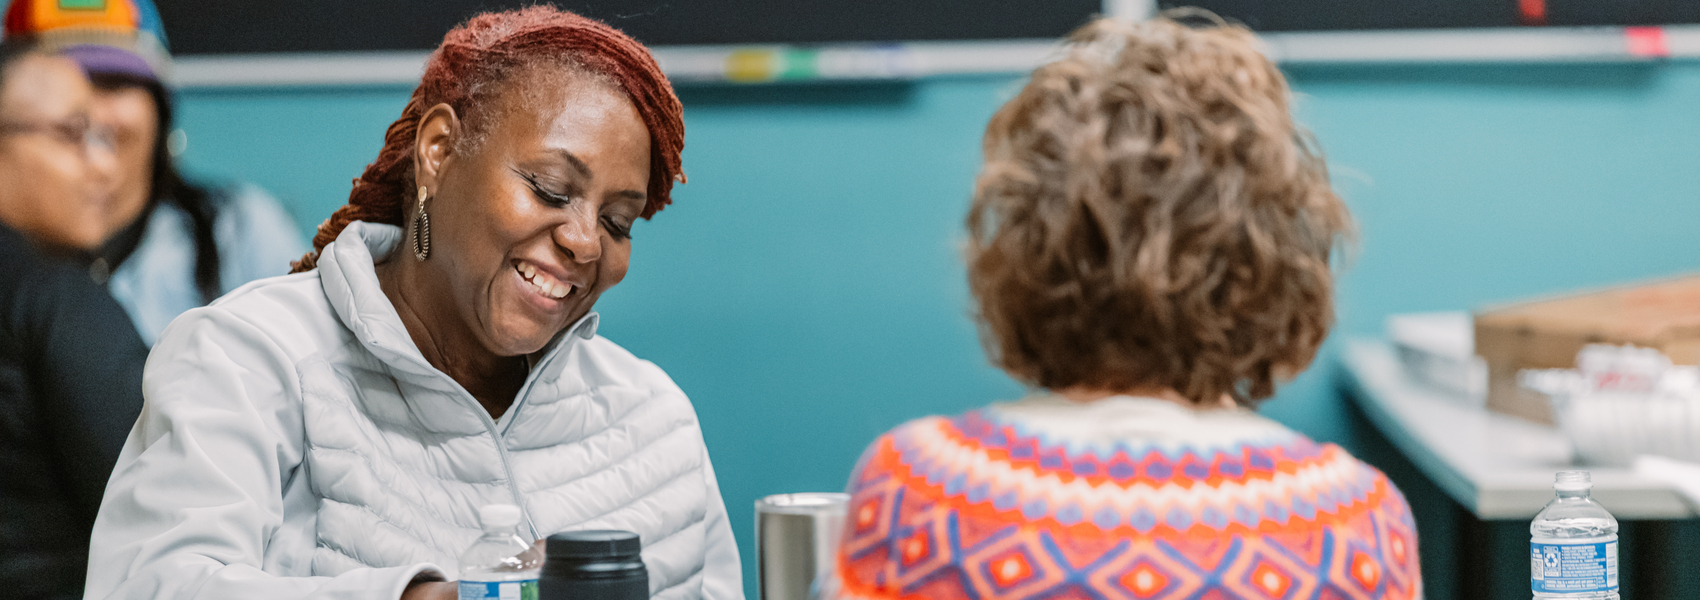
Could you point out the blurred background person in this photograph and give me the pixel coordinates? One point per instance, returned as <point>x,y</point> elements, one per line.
<point>70,361</point>
<point>1149,246</point>
<point>174,245</point>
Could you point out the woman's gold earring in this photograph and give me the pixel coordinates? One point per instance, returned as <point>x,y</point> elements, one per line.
<point>422,229</point>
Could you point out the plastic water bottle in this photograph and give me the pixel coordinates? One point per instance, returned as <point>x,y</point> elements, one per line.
<point>500,565</point>
<point>1573,544</point>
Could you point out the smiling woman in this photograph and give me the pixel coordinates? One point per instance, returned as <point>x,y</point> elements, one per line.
<point>533,220</point>
<point>336,431</point>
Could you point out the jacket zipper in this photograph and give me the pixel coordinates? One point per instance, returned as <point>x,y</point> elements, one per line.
<point>507,466</point>
<point>513,415</point>
<point>499,436</point>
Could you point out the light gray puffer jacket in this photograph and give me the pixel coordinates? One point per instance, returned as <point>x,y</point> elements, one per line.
<point>295,444</point>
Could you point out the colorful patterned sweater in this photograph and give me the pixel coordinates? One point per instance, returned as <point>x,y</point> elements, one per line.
<point>1123,498</point>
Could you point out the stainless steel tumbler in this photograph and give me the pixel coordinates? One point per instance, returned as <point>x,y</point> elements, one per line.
<point>796,542</point>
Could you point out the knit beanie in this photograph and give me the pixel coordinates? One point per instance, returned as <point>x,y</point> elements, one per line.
<point>106,37</point>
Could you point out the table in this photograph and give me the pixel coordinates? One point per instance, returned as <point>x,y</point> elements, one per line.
<point>1499,471</point>
<point>1496,466</point>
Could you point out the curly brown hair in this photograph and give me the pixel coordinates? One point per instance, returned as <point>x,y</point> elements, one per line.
<point>1149,216</point>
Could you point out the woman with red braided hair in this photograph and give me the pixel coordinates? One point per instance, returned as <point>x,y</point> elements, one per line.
<point>334,433</point>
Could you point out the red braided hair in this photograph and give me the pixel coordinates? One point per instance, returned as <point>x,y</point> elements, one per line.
<point>475,59</point>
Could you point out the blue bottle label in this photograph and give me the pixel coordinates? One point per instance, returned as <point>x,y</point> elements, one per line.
<point>525,589</point>
<point>1573,568</point>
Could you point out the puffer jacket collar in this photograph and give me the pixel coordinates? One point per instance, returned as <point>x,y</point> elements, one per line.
<point>347,272</point>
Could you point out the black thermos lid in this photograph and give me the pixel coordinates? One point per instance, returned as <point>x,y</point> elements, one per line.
<point>594,544</point>
<point>594,565</point>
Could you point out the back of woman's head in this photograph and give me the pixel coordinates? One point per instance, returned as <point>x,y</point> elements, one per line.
<point>1149,217</point>
<point>479,60</point>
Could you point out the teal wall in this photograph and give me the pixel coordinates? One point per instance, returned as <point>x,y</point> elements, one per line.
<point>805,289</point>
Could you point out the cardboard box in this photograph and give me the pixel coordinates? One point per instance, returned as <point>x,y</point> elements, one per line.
<point>1547,334</point>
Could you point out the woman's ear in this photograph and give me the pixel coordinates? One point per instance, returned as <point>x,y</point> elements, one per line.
<point>439,129</point>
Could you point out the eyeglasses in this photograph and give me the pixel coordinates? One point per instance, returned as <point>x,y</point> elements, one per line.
<point>76,131</point>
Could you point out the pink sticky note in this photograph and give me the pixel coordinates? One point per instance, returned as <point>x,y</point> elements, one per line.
<point>1646,42</point>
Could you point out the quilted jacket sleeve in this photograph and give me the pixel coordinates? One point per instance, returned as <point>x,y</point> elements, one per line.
<point>722,574</point>
<point>198,490</point>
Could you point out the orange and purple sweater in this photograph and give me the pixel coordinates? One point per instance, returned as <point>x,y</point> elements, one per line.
<point>1123,498</point>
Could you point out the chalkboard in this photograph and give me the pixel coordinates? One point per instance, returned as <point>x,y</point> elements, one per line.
<point>1322,15</point>
<point>248,26</point>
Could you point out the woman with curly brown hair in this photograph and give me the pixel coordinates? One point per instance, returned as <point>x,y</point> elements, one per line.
<point>334,433</point>
<point>1149,246</point>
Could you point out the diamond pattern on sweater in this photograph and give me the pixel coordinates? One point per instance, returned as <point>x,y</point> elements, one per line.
<point>974,508</point>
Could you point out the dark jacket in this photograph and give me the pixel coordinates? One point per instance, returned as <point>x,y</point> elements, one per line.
<point>70,389</point>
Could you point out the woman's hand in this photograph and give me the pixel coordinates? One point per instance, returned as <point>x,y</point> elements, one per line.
<point>447,590</point>
<point>431,590</point>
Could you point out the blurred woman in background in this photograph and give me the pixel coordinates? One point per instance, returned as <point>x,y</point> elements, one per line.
<point>1149,246</point>
<point>174,245</point>
<point>70,362</point>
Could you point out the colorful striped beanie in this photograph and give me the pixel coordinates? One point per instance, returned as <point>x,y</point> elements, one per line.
<point>118,37</point>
